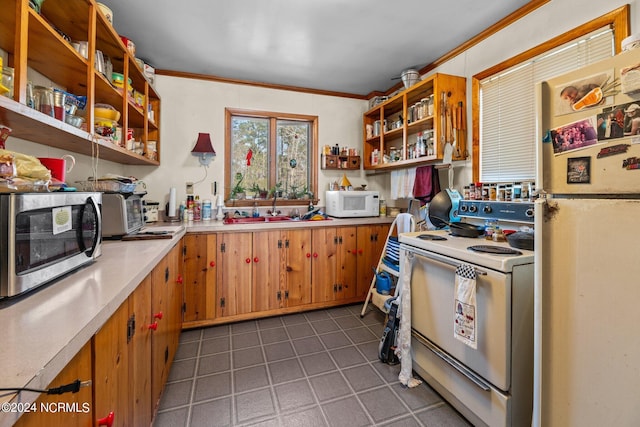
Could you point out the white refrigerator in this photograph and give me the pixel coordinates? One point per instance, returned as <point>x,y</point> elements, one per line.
<point>587,247</point>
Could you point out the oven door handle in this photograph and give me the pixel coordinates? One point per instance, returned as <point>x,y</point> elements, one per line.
<point>452,362</point>
<point>439,258</point>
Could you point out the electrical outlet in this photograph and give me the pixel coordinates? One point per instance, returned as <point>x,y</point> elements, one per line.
<point>189,187</point>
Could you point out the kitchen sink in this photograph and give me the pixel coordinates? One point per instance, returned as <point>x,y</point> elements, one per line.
<point>259,219</point>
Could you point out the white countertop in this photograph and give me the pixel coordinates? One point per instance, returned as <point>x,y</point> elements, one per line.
<point>43,330</point>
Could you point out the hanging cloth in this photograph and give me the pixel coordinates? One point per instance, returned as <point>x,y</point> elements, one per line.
<point>403,349</point>
<point>465,308</point>
<point>426,183</point>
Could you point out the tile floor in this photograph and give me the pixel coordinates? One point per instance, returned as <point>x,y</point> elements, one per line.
<point>318,368</point>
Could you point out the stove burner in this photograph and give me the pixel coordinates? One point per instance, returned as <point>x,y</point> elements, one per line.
<point>490,249</point>
<point>430,237</point>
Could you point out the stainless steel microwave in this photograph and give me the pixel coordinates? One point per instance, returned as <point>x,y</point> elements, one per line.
<point>46,235</point>
<point>122,214</point>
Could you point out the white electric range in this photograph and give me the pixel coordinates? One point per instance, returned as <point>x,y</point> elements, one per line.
<point>493,384</point>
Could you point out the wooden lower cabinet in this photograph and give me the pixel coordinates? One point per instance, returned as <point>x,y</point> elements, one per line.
<point>281,269</point>
<point>235,272</point>
<point>334,261</point>
<point>295,268</point>
<point>200,269</point>
<point>140,354</point>
<point>371,240</point>
<point>127,360</point>
<point>230,276</point>
<point>82,414</point>
<point>121,356</point>
<point>166,312</point>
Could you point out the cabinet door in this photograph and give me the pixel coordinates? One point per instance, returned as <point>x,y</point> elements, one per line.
<point>78,368</point>
<point>199,277</point>
<point>175,285</point>
<point>234,273</point>
<point>297,268</point>
<point>347,249</point>
<point>140,353</point>
<point>195,277</point>
<point>324,259</point>
<point>160,329</point>
<point>371,239</point>
<point>267,260</point>
<point>111,382</point>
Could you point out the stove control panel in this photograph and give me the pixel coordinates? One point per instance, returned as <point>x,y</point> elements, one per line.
<point>501,211</point>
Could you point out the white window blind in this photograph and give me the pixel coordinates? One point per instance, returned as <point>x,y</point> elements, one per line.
<point>507,116</point>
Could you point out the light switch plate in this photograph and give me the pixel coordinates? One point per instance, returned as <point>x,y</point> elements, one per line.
<point>189,187</point>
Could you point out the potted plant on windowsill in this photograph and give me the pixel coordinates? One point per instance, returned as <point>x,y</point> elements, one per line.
<point>276,190</point>
<point>259,193</point>
<point>237,192</point>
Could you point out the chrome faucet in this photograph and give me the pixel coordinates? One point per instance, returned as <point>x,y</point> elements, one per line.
<point>273,211</point>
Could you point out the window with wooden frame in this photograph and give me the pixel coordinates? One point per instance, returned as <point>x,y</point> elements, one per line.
<point>503,123</point>
<point>270,155</point>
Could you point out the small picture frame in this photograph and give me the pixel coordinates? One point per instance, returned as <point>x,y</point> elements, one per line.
<point>579,170</point>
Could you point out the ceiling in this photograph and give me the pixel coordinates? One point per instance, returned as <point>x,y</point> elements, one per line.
<point>349,46</point>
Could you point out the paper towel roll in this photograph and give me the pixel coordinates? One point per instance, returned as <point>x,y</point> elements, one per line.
<point>172,202</point>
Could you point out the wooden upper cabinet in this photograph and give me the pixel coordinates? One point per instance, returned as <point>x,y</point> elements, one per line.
<point>396,136</point>
<point>32,42</point>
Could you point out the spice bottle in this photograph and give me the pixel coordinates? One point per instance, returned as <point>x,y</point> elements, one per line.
<point>517,191</point>
<point>383,208</point>
<point>478,187</point>
<point>493,191</point>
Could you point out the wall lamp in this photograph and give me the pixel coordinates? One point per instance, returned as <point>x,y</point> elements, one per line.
<point>204,150</point>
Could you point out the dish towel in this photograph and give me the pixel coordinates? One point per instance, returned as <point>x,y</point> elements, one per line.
<point>426,183</point>
<point>403,349</point>
<point>465,308</point>
<point>402,182</point>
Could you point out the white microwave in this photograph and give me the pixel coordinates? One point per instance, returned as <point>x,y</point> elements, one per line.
<point>352,204</point>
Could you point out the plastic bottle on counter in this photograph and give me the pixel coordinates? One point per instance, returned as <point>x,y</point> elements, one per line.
<point>189,212</point>
<point>498,235</point>
<point>182,212</point>
<point>197,209</point>
<point>206,210</point>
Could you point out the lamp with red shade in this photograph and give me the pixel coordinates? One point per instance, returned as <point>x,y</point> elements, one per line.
<point>204,150</point>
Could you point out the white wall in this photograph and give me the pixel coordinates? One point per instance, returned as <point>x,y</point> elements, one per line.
<point>190,106</point>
